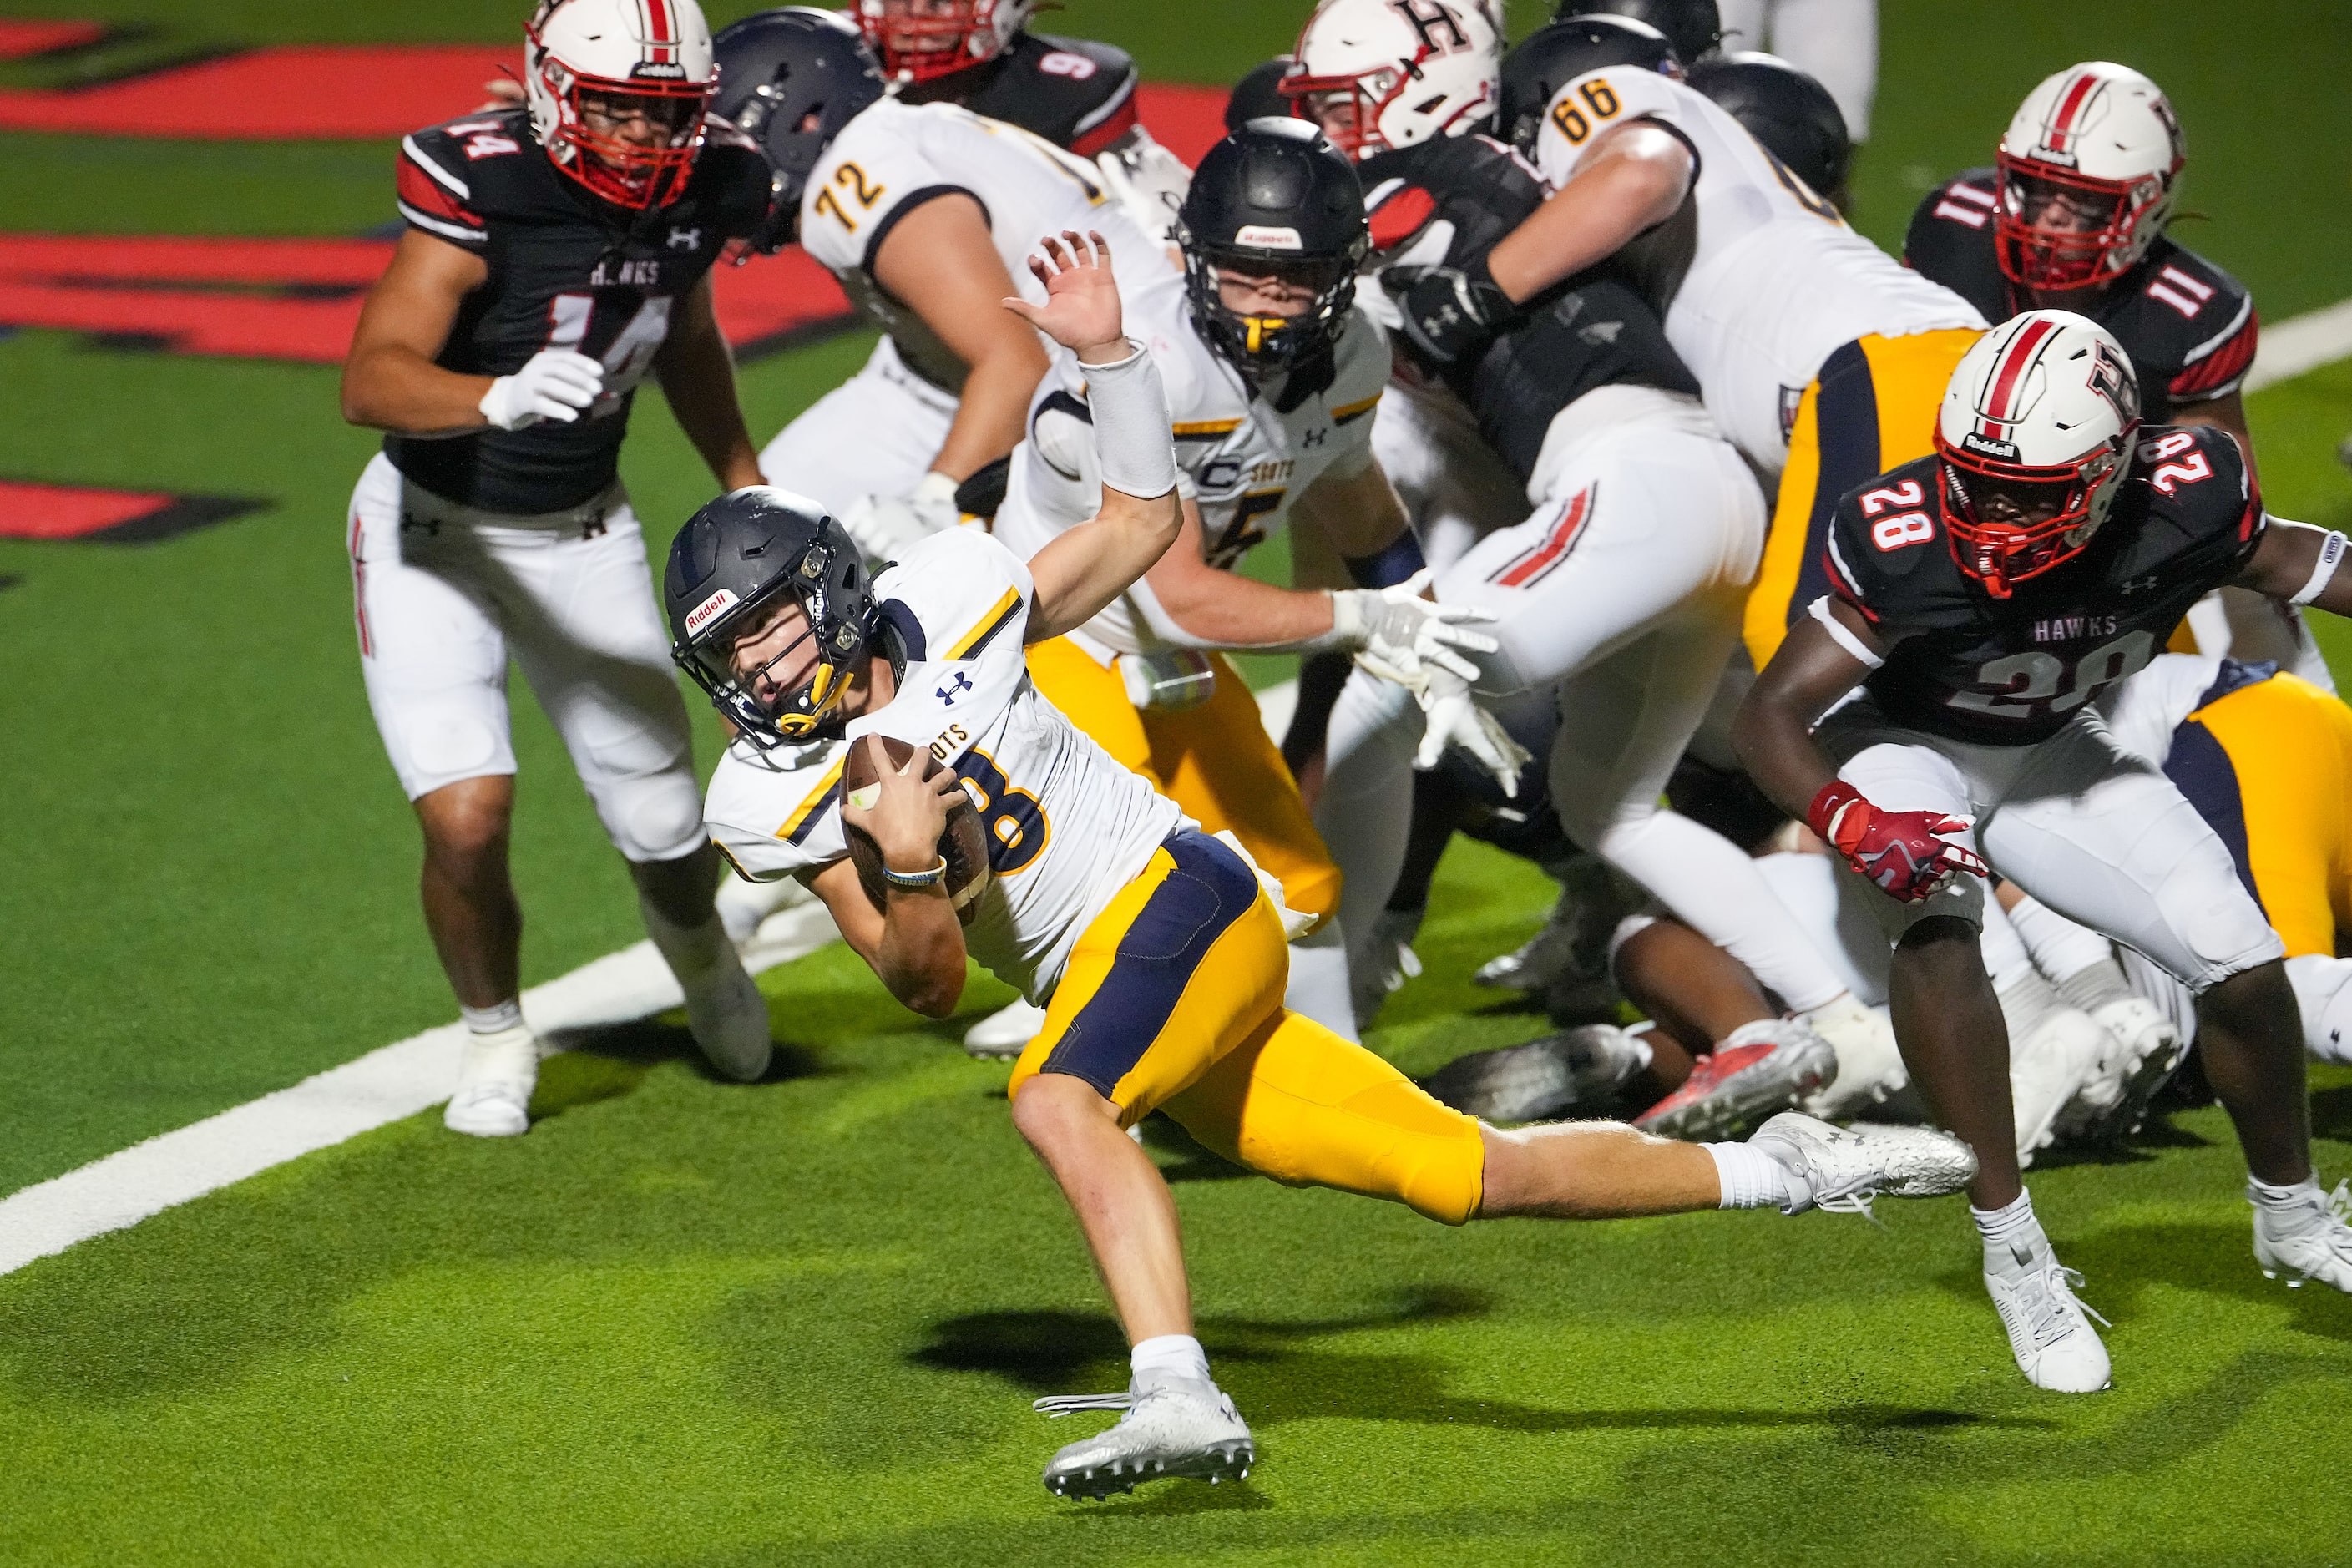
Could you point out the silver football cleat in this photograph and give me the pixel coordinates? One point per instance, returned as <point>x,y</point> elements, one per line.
<point>1845,1168</point>
<point>1172,1427</point>
<point>1005,1033</point>
<point>2309,1241</point>
<point>1541,1080</point>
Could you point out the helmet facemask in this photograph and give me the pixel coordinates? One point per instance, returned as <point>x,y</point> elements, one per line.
<point>2055,229</point>
<point>1261,346</point>
<point>805,710</point>
<point>583,132</point>
<point>1370,95</point>
<point>2008,522</point>
<point>940,41</point>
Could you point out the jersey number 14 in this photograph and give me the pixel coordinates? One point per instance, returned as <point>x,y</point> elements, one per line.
<point>630,353</point>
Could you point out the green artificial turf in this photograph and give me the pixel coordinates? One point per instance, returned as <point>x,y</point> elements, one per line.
<point>686,1323</point>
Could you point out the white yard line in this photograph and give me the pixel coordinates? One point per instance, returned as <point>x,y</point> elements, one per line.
<point>408,1075</point>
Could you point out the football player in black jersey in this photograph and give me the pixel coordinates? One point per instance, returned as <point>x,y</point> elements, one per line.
<point>1619,596</point>
<point>2072,216</point>
<point>1981,598</point>
<point>555,255</point>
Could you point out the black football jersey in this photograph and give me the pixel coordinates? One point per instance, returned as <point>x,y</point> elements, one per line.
<point>1074,92</point>
<point>1448,202</point>
<point>2005,672</point>
<point>2189,327</point>
<point>566,271</point>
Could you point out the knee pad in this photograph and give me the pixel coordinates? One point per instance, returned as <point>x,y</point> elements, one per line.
<point>650,817</point>
<point>2322,990</point>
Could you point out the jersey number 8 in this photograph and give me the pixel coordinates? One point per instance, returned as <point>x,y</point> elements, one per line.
<point>1017,829</point>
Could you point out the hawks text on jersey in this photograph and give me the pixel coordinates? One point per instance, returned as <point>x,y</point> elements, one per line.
<point>1968,666</point>
<point>566,271</point>
<point>1446,202</point>
<point>2189,327</point>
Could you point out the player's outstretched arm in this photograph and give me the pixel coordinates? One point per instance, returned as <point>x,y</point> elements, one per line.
<point>697,377</point>
<point>1905,853</point>
<point>1632,179</point>
<point>1088,566</point>
<point>915,946</point>
<point>2297,564</point>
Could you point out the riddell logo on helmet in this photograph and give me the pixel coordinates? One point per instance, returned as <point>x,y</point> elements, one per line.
<point>662,72</point>
<point>1985,447</point>
<point>709,610</point>
<point>1269,237</point>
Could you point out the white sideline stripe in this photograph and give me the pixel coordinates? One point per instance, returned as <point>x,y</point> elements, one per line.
<point>381,1087</point>
<point>2301,343</point>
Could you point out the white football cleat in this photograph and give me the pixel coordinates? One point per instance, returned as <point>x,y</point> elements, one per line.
<point>494,1076</point>
<point>2143,1049</point>
<point>1543,958</point>
<point>730,1020</point>
<point>1869,1065</point>
<point>1172,1427</point>
<point>2050,1331</point>
<point>2046,1069</point>
<point>2308,1240</point>
<point>1842,1169</point>
<point>1005,1033</point>
<point>743,905</point>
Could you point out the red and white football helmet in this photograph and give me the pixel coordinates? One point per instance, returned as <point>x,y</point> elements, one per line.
<point>921,40</point>
<point>2088,168</point>
<point>649,57</point>
<point>1378,75</point>
<point>2035,434</point>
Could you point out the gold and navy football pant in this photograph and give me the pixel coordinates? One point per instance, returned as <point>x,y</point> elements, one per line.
<point>1215,760</point>
<point>1872,407</point>
<point>2269,767</point>
<point>1172,1001</point>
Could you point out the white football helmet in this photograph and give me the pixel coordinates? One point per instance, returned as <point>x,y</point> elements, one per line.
<point>1381,74</point>
<point>593,68</point>
<point>2035,434</point>
<point>920,40</point>
<point>2087,172</point>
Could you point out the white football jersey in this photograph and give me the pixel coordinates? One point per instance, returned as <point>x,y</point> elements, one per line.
<point>1759,278</point>
<point>1067,827</point>
<point>1243,459</point>
<point>894,157</point>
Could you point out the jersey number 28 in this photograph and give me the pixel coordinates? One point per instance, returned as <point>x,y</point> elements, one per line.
<point>2033,679</point>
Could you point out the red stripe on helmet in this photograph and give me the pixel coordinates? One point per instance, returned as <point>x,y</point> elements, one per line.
<point>2062,121</point>
<point>657,32</point>
<point>2007,377</point>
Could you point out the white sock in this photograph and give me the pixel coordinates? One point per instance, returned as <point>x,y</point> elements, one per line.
<point>691,952</point>
<point>2027,1002</point>
<point>2095,986</point>
<point>496,1019</point>
<point>1319,981</point>
<point>2270,1198</point>
<point>2005,954</point>
<point>1169,1355</point>
<point>1753,1180</point>
<point>2060,947</point>
<point>2009,1232</point>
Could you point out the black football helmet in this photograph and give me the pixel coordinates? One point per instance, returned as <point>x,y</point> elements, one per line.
<point>1558,53</point>
<point>1259,94</point>
<point>1790,113</point>
<point>790,78</point>
<point>1273,196</point>
<point>1695,28</point>
<point>728,566</point>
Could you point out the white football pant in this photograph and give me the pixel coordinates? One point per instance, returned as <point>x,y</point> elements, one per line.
<point>1836,42</point>
<point>874,434</point>
<point>444,594</point>
<point>1456,490</point>
<point>2095,833</point>
<point>1624,592</point>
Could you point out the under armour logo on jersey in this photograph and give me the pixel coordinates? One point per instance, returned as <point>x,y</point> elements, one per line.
<point>1314,437</point>
<point>1427,18</point>
<point>958,684</point>
<point>2139,584</point>
<point>686,238</point>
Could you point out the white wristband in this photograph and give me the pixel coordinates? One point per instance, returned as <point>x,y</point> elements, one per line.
<point>2331,556</point>
<point>1841,635</point>
<point>1133,437</point>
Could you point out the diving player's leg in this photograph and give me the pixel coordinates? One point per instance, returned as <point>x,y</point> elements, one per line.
<point>1176,973</point>
<point>435,662</point>
<point>588,638</point>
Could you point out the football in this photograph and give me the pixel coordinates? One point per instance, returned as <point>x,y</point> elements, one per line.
<point>964,843</point>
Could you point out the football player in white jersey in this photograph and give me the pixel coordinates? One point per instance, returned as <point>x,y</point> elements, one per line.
<point>1819,356</point>
<point>1157,948</point>
<point>1273,374</point>
<point>924,213</point>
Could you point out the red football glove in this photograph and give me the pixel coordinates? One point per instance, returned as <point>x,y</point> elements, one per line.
<point>1898,851</point>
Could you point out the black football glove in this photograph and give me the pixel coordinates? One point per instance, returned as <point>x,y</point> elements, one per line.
<point>1451,314</point>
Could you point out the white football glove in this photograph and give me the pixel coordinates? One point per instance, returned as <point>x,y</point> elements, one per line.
<point>1148,180</point>
<point>1456,718</point>
<point>553,383</point>
<point>1398,636</point>
<point>886,527</point>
